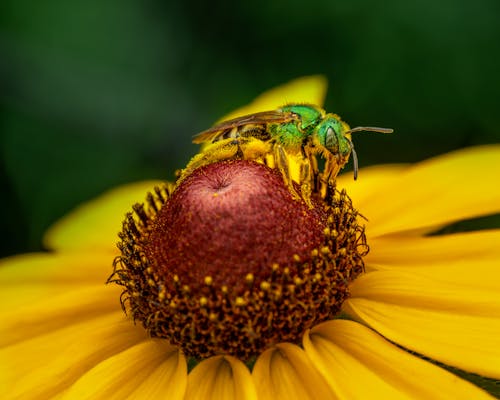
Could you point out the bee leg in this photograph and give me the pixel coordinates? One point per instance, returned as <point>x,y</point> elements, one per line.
<point>336,166</point>
<point>305,181</point>
<point>313,175</point>
<point>254,149</point>
<point>307,152</point>
<point>325,176</point>
<point>269,160</point>
<point>329,175</point>
<point>281,162</point>
<point>315,172</point>
<point>226,149</point>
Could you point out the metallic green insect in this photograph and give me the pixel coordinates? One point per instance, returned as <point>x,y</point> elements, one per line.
<point>301,131</point>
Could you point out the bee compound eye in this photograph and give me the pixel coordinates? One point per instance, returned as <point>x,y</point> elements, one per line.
<point>330,138</point>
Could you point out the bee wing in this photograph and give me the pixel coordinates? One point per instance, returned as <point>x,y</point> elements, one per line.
<point>262,118</point>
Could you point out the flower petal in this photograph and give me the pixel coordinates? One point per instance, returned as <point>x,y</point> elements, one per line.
<point>413,290</point>
<point>95,225</point>
<point>470,258</point>
<point>149,370</point>
<point>369,181</point>
<point>285,372</point>
<point>54,269</point>
<point>220,378</point>
<point>46,365</point>
<point>442,190</point>
<point>308,90</point>
<point>29,278</point>
<point>49,314</point>
<point>359,364</point>
<point>451,322</point>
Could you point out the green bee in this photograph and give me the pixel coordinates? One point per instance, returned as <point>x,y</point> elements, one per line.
<point>299,131</point>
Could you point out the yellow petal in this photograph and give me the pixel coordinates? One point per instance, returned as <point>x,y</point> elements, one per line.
<point>407,289</point>
<point>285,372</point>
<point>448,322</point>
<point>442,190</point>
<point>408,250</point>
<point>308,89</point>
<point>45,365</point>
<point>148,370</point>
<point>469,258</point>
<point>359,364</point>
<point>56,268</point>
<point>369,181</point>
<point>30,278</point>
<point>95,225</point>
<point>48,314</point>
<point>220,378</point>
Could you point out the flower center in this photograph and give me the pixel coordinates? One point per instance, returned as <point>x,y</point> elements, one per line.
<point>230,263</point>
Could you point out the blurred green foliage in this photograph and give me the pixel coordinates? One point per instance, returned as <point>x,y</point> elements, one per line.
<point>94,94</point>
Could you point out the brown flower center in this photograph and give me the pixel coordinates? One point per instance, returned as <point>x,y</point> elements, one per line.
<point>230,263</point>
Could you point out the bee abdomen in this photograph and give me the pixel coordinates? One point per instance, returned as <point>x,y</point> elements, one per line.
<point>254,131</point>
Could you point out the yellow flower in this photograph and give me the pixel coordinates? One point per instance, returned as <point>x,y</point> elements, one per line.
<point>63,334</point>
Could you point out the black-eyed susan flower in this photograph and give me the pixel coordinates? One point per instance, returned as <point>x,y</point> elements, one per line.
<point>236,288</point>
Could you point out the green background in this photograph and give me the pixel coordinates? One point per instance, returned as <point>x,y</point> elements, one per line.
<point>97,93</point>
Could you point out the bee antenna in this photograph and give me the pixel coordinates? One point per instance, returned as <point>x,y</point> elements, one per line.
<point>370,129</point>
<point>354,158</point>
<point>351,144</point>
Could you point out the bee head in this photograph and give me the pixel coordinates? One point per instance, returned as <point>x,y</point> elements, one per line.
<point>335,136</point>
<point>331,133</point>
